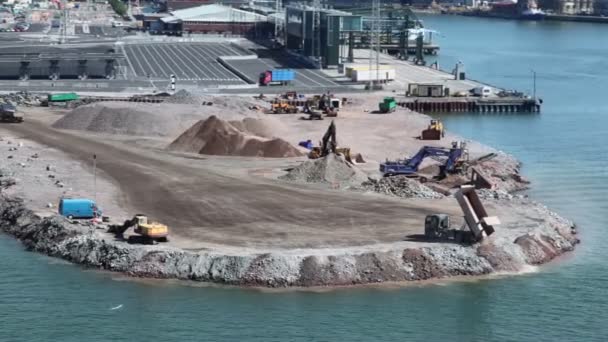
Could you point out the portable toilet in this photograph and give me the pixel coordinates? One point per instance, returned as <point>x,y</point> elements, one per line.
<point>459,72</point>
<point>81,208</point>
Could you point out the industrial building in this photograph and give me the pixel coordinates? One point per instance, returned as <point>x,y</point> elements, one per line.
<point>217,19</point>
<point>317,33</point>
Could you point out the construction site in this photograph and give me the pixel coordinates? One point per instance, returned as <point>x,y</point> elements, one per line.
<point>244,163</point>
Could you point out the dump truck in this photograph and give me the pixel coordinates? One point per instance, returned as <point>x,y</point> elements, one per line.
<point>388,105</point>
<point>433,132</point>
<point>480,225</point>
<point>147,232</point>
<point>8,113</point>
<point>277,77</point>
<point>62,97</point>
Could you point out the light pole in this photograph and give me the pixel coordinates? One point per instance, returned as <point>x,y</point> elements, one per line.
<point>534,83</point>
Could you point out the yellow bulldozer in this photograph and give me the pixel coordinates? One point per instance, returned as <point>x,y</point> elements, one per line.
<point>434,131</point>
<point>146,232</point>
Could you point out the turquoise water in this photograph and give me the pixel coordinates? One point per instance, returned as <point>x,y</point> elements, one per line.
<point>564,151</point>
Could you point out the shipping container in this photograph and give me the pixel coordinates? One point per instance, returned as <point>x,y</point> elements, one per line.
<point>352,67</point>
<point>62,97</point>
<point>366,75</point>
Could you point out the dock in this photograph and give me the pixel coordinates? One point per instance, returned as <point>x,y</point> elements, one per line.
<point>471,105</point>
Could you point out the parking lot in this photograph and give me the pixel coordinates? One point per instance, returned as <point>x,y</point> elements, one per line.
<point>187,61</point>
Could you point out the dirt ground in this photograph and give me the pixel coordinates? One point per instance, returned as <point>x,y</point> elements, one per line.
<point>211,201</point>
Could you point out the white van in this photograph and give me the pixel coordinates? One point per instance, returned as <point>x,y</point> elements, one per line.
<point>482,91</point>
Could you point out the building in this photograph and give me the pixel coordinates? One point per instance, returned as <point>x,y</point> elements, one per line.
<point>217,19</point>
<point>173,5</point>
<point>320,43</point>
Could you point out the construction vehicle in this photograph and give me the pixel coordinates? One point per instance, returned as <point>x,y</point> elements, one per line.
<point>8,113</point>
<point>480,225</point>
<point>452,164</point>
<point>148,232</point>
<point>329,145</point>
<point>434,131</point>
<point>283,107</point>
<point>388,105</point>
<point>277,77</point>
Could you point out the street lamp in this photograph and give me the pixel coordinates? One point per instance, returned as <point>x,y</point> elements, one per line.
<point>534,84</point>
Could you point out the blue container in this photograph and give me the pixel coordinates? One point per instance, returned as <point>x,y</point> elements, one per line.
<point>283,75</point>
<point>78,208</point>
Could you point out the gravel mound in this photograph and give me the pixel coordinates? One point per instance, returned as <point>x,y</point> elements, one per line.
<point>332,169</point>
<point>217,137</point>
<point>253,126</point>
<point>114,118</point>
<point>400,186</point>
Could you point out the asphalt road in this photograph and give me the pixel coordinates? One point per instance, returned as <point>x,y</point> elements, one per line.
<point>188,62</point>
<point>203,206</point>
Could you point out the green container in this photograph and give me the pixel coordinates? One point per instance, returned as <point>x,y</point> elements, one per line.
<point>388,105</point>
<point>63,97</point>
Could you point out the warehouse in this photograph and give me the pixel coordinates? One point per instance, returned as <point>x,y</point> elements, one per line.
<point>216,19</point>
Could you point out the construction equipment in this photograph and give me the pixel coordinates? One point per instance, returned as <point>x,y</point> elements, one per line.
<point>277,77</point>
<point>388,105</point>
<point>434,131</point>
<point>283,107</point>
<point>8,113</point>
<point>410,166</point>
<point>329,145</point>
<point>148,232</point>
<point>437,226</point>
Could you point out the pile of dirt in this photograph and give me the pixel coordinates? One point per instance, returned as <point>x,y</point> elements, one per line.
<point>217,137</point>
<point>331,169</point>
<point>400,186</point>
<point>253,126</point>
<point>117,118</point>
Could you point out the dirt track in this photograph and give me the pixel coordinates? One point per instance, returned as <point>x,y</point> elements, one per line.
<point>208,207</point>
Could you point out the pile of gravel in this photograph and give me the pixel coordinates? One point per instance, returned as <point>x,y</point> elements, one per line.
<point>118,118</point>
<point>400,186</point>
<point>332,169</point>
<point>214,136</point>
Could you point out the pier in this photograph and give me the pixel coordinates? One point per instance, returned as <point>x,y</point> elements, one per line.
<point>472,105</point>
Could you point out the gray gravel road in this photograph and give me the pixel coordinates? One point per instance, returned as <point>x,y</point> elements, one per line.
<point>205,206</point>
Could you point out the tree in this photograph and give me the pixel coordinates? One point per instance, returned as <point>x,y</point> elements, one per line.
<point>119,7</point>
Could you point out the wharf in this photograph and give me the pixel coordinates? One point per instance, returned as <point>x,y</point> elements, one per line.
<point>472,104</point>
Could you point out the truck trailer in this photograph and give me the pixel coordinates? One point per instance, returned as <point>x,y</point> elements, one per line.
<point>277,77</point>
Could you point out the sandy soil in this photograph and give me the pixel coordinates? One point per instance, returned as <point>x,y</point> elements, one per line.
<point>238,206</point>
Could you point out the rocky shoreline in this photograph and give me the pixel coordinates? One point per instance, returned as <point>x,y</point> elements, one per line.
<point>86,245</point>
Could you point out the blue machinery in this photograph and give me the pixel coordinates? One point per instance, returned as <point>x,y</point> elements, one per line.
<point>410,166</point>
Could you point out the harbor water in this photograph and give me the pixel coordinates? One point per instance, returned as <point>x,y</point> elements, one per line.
<point>564,153</point>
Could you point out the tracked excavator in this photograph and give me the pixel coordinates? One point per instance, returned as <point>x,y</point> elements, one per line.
<point>454,158</point>
<point>147,232</point>
<point>329,145</point>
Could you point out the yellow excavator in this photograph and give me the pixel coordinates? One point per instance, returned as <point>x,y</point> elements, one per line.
<point>329,145</point>
<point>147,232</point>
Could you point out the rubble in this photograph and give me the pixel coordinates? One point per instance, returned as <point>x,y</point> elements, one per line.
<point>331,169</point>
<point>22,98</point>
<point>400,186</point>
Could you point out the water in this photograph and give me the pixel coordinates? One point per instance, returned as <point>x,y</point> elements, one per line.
<point>564,152</point>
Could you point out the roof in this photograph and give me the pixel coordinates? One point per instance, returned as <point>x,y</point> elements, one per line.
<point>213,13</point>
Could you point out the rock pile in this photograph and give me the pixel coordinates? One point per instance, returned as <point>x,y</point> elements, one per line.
<point>400,186</point>
<point>217,137</point>
<point>331,169</point>
<point>22,98</point>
